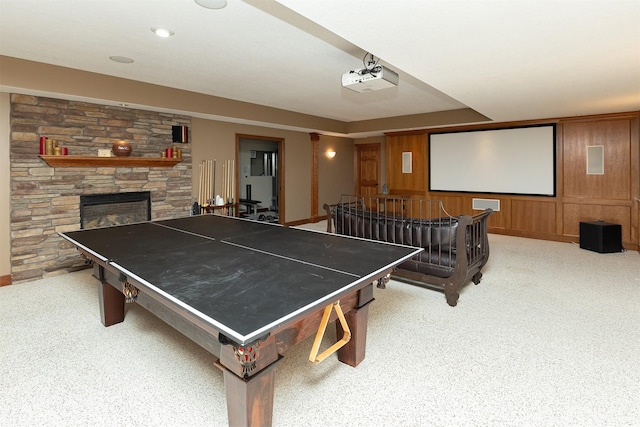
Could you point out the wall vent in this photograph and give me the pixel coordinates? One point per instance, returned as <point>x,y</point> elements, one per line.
<point>482,204</point>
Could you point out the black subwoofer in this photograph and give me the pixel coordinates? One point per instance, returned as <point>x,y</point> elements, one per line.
<point>600,236</point>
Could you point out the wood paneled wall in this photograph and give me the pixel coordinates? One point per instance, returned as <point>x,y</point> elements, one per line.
<point>611,197</point>
<point>410,184</point>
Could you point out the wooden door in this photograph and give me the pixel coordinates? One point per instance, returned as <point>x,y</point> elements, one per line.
<point>367,169</point>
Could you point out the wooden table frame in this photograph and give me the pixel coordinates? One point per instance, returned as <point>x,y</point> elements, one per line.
<point>248,370</point>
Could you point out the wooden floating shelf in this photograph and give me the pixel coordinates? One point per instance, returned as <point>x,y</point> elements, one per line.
<point>91,161</point>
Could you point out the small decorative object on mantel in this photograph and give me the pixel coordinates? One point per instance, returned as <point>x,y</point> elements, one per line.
<point>50,147</point>
<point>121,148</point>
<point>172,153</point>
<point>43,145</point>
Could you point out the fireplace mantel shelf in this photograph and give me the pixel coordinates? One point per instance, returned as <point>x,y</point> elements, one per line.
<point>93,161</point>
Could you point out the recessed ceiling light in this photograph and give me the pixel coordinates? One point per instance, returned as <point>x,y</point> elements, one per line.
<point>212,4</point>
<point>162,32</point>
<point>121,59</point>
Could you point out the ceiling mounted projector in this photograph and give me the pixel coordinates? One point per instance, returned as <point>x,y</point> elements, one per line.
<point>371,77</point>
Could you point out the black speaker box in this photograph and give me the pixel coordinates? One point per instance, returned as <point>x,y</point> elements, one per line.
<point>600,236</point>
<point>180,133</point>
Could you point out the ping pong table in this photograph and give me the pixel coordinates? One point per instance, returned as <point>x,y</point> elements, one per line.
<point>244,290</point>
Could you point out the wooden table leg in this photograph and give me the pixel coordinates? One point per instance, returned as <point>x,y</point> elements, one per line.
<point>249,373</point>
<point>354,351</point>
<point>250,400</point>
<point>111,304</point>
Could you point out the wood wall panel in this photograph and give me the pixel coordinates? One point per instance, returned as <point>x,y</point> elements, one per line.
<point>462,205</point>
<point>500,220</point>
<point>414,183</point>
<point>533,216</point>
<point>615,137</point>
<point>575,213</point>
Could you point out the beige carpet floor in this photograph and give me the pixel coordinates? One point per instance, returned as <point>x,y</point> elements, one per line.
<point>551,337</point>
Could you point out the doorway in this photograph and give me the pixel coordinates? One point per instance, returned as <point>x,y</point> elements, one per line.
<point>367,169</point>
<point>260,177</point>
<point>367,172</point>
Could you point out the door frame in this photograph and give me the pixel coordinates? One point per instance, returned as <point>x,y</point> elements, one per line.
<point>280,144</point>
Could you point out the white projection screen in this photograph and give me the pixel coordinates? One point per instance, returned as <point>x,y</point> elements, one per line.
<point>519,160</point>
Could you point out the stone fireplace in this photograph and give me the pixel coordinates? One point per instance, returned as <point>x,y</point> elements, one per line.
<point>103,210</point>
<point>47,200</point>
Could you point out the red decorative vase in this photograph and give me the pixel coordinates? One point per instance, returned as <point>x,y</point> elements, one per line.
<point>121,148</point>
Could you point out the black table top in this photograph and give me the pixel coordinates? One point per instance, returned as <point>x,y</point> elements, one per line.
<point>243,277</point>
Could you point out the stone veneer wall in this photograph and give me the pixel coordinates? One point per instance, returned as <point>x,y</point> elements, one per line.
<point>46,200</point>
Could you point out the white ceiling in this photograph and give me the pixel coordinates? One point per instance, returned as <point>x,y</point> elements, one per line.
<point>508,60</point>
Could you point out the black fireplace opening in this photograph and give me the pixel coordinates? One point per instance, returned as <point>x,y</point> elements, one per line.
<point>103,210</point>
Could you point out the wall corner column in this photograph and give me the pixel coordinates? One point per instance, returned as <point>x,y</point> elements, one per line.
<point>315,146</point>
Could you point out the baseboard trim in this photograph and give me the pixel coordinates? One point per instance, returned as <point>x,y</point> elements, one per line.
<point>298,222</point>
<point>5,280</point>
<point>311,220</point>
